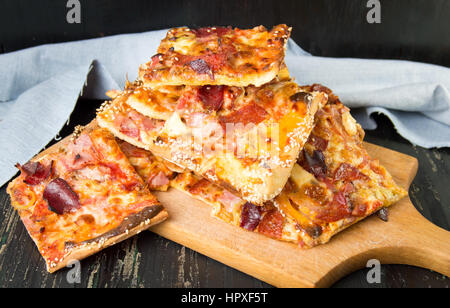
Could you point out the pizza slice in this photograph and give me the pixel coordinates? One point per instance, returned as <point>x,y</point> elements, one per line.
<point>81,196</point>
<point>334,185</point>
<point>217,56</point>
<point>243,139</point>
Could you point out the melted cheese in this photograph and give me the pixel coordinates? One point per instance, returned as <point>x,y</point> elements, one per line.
<point>300,176</point>
<point>175,127</point>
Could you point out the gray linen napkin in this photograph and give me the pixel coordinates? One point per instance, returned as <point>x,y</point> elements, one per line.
<point>40,86</point>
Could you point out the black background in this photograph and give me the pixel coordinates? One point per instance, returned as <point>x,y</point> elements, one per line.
<point>411,30</point>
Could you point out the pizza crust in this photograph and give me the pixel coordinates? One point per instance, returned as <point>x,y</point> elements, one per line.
<point>131,224</point>
<point>245,80</point>
<point>217,56</point>
<point>90,249</point>
<point>261,174</point>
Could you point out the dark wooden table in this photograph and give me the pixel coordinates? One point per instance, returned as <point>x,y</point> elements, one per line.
<point>413,30</point>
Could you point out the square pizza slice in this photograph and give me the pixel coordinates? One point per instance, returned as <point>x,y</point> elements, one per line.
<point>244,139</point>
<point>81,196</point>
<point>334,185</point>
<point>335,182</point>
<point>217,56</point>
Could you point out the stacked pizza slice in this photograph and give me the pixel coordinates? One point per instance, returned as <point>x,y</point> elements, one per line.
<point>244,137</point>
<point>216,115</point>
<point>217,111</point>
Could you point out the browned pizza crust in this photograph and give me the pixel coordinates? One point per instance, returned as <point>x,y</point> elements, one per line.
<point>129,225</point>
<point>260,172</point>
<point>217,56</point>
<point>144,222</point>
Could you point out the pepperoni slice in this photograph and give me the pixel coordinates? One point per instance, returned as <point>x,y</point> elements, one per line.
<point>347,172</point>
<point>60,197</point>
<point>252,113</point>
<point>35,172</point>
<point>337,209</point>
<point>207,31</point>
<point>341,206</point>
<point>359,210</point>
<point>216,61</point>
<point>250,216</point>
<point>271,224</point>
<point>211,97</point>
<point>339,199</point>
<point>318,142</point>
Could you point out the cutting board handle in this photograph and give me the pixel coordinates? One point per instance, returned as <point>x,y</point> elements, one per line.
<point>413,241</point>
<point>426,245</point>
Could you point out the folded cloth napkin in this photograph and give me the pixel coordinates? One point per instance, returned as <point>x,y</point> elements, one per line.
<point>40,87</point>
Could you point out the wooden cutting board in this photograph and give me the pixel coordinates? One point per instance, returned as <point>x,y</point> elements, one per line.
<point>408,238</point>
